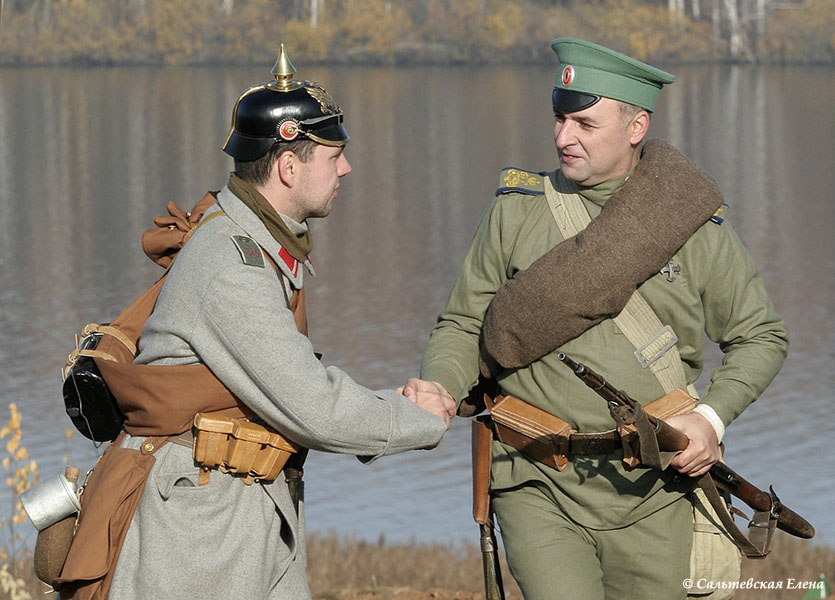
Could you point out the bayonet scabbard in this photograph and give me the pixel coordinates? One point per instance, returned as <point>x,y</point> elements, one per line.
<point>482,441</point>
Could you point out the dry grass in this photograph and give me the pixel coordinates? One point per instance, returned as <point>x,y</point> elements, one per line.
<point>791,559</point>
<point>18,580</point>
<point>346,569</point>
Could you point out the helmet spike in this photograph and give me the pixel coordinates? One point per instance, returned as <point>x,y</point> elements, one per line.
<point>283,70</point>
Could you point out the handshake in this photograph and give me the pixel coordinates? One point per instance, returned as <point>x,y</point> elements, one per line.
<point>431,396</point>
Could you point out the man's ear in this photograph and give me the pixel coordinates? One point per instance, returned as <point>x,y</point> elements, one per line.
<point>639,127</point>
<point>286,167</point>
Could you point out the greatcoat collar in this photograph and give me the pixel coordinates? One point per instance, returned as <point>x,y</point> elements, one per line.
<point>249,222</point>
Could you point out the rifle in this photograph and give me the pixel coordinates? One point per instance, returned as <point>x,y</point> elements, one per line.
<point>671,439</point>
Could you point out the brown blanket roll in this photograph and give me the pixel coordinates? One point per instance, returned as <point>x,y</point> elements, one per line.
<point>591,276</point>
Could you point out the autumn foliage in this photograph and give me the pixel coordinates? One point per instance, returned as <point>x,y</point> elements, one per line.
<point>101,32</point>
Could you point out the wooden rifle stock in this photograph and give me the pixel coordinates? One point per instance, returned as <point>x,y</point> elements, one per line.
<point>672,439</point>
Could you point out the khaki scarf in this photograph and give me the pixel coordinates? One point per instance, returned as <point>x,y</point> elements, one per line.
<point>599,193</point>
<point>297,245</point>
<point>589,277</point>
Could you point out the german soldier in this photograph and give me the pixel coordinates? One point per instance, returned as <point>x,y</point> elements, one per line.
<point>230,314</point>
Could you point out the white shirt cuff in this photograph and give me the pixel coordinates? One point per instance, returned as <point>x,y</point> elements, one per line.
<point>708,413</point>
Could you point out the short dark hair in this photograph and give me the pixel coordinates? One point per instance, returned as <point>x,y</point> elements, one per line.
<point>258,171</point>
<point>628,112</point>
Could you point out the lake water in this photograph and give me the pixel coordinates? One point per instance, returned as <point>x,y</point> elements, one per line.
<point>89,156</point>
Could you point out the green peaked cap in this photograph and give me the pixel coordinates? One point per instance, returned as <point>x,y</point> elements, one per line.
<point>594,69</point>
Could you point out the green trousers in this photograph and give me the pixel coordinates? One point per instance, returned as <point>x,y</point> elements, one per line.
<point>552,557</point>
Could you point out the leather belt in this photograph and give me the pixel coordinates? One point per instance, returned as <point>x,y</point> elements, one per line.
<point>184,439</point>
<point>181,439</point>
<point>589,444</point>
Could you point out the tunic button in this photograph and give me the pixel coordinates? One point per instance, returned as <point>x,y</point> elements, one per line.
<point>149,447</point>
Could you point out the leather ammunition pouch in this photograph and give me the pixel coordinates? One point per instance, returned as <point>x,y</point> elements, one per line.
<point>531,430</point>
<point>240,447</point>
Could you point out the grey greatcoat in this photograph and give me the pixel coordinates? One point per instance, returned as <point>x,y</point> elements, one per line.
<point>227,539</point>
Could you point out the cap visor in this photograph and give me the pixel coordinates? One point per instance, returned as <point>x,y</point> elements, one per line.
<point>333,135</point>
<point>568,101</point>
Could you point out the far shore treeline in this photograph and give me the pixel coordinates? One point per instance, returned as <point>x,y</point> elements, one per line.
<point>395,32</point>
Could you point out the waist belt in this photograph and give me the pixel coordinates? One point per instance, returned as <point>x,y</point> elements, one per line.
<point>543,436</point>
<point>549,439</point>
<point>184,439</point>
<point>589,444</point>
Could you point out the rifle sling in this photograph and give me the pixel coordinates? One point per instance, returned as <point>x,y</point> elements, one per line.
<point>757,544</point>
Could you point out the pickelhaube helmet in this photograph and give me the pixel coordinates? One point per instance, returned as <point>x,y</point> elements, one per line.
<point>283,110</point>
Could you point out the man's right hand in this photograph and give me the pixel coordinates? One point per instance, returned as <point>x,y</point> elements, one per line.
<point>431,396</point>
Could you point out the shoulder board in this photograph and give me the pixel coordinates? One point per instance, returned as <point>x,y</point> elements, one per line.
<point>512,179</point>
<point>719,216</point>
<point>250,252</point>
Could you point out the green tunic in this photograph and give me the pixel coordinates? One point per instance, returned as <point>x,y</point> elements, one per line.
<point>717,292</point>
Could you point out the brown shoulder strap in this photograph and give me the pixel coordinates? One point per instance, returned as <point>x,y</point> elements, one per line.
<point>161,244</point>
<point>757,544</point>
<point>144,391</point>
